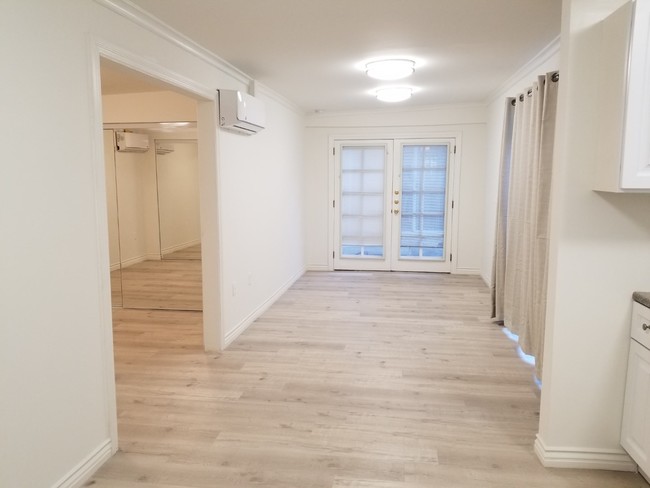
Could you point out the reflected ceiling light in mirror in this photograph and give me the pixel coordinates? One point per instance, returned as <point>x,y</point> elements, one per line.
<point>175,124</point>
<point>390,69</point>
<point>394,94</point>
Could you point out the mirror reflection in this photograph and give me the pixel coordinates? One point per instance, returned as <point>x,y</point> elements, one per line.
<point>177,172</point>
<point>157,224</point>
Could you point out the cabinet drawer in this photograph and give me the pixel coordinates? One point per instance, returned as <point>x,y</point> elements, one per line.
<point>641,324</point>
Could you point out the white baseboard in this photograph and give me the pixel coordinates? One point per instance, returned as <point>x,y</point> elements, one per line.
<point>566,457</point>
<point>459,271</point>
<point>487,280</point>
<point>179,247</point>
<point>318,267</point>
<point>466,271</point>
<point>251,317</point>
<point>86,468</point>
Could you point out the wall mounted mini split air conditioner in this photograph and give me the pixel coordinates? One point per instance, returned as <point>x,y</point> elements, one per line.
<point>131,142</point>
<point>240,112</point>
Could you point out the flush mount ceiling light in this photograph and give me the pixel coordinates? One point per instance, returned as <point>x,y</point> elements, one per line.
<point>394,94</point>
<point>390,69</point>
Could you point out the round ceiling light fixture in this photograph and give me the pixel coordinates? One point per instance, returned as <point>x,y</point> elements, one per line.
<point>390,69</point>
<point>394,94</point>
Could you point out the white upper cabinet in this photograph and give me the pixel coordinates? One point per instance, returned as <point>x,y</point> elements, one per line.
<point>623,163</point>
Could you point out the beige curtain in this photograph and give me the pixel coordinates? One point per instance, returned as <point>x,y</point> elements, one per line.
<point>521,270</point>
<point>499,266</point>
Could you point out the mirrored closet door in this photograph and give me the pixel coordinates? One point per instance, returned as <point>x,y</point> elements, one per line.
<point>157,224</point>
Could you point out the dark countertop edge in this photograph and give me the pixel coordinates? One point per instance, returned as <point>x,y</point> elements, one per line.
<point>642,297</point>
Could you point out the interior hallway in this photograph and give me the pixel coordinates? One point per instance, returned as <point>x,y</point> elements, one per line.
<point>351,379</point>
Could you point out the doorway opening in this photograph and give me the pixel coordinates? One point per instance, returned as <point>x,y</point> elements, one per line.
<point>128,70</point>
<point>154,194</point>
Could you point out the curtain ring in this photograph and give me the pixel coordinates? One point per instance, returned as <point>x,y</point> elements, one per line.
<point>521,97</point>
<point>513,102</point>
<point>555,76</point>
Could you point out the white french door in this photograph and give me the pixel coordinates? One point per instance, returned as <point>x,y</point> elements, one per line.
<point>392,204</point>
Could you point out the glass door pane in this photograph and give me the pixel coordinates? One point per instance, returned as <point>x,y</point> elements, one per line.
<point>421,243</point>
<point>362,196</point>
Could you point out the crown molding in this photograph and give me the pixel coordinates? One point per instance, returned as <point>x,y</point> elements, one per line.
<point>143,65</point>
<point>324,115</point>
<point>544,55</point>
<point>255,88</point>
<point>146,20</point>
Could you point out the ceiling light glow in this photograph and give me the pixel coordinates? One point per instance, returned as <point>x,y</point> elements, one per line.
<point>390,69</point>
<point>174,124</point>
<point>394,94</point>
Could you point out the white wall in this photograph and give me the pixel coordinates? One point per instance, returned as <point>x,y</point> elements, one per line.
<point>466,120</point>
<point>55,382</point>
<point>599,254</point>
<point>262,214</point>
<point>546,61</point>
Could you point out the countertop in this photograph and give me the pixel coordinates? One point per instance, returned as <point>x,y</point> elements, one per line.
<point>642,297</point>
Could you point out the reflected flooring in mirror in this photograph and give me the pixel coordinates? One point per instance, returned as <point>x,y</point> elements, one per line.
<point>164,284</point>
<point>190,253</point>
<point>116,288</point>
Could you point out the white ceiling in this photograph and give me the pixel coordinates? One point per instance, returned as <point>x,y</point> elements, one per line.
<point>119,79</point>
<point>312,51</point>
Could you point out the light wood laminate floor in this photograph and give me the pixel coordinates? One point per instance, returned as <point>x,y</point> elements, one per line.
<point>350,380</point>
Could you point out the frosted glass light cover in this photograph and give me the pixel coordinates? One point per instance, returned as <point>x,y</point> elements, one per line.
<point>390,69</point>
<point>396,94</point>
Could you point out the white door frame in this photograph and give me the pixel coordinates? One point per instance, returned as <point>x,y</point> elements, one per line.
<point>379,134</point>
<point>207,135</point>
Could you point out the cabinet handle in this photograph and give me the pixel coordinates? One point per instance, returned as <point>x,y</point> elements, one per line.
<point>645,326</point>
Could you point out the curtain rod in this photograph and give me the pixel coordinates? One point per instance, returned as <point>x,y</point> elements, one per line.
<point>555,77</point>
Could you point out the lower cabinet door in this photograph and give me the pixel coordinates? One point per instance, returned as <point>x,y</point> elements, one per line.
<point>635,431</point>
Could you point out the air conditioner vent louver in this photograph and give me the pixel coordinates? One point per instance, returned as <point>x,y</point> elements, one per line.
<point>164,149</point>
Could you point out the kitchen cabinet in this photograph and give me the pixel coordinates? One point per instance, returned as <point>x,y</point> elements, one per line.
<point>623,160</point>
<point>635,430</point>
